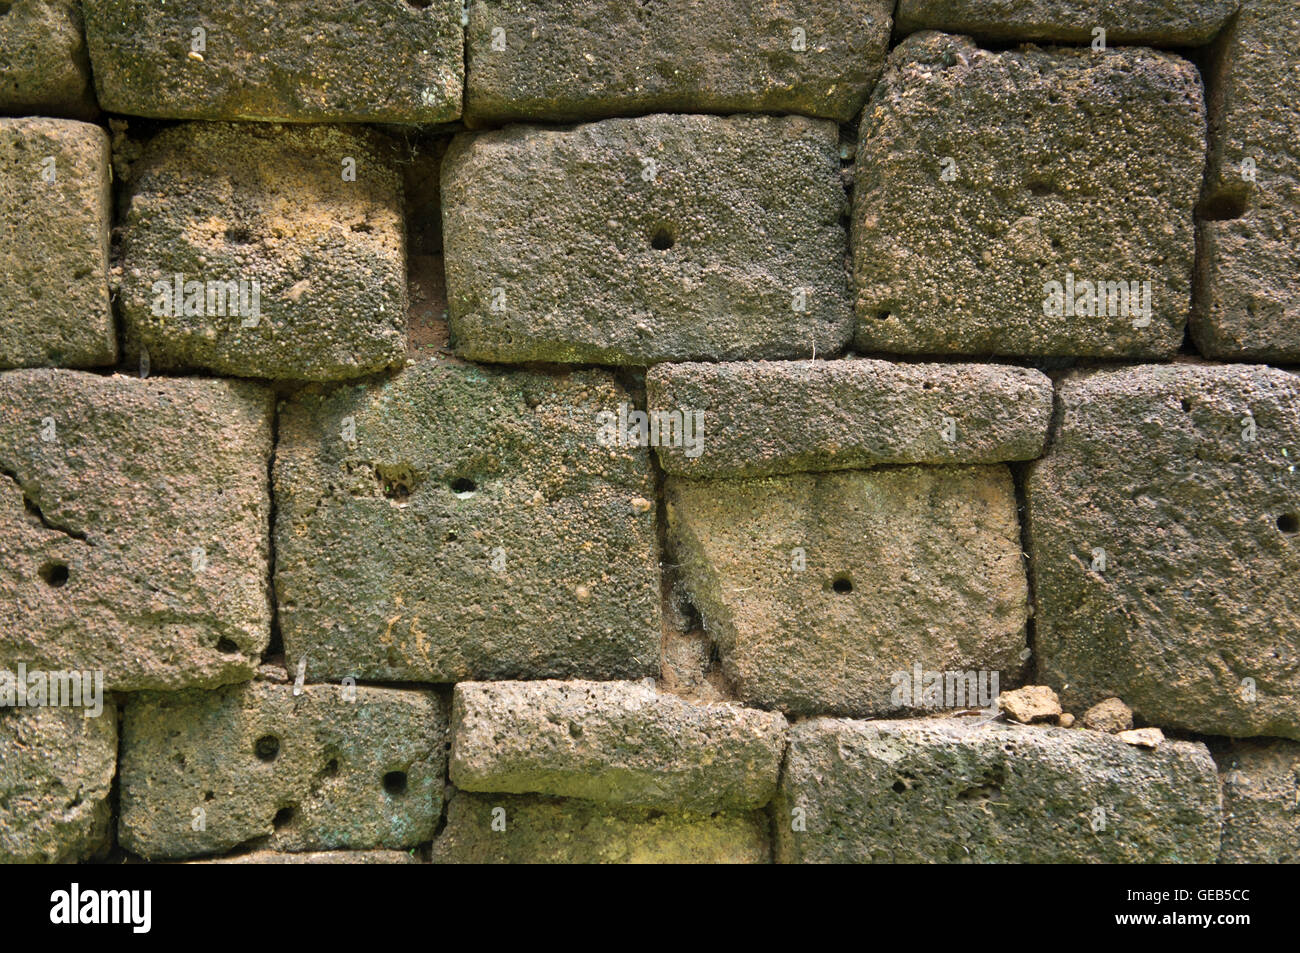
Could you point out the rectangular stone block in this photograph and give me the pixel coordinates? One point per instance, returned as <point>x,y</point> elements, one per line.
<point>56,772</point>
<point>948,791</point>
<point>333,767</point>
<point>458,522</point>
<point>55,209</point>
<point>1261,801</point>
<point>619,743</point>
<point>1159,22</point>
<point>818,589</point>
<point>1250,209</point>
<point>1163,534</point>
<point>761,418</point>
<point>266,251</point>
<point>633,241</point>
<point>569,60</point>
<point>1029,202</point>
<point>134,522</point>
<point>326,61</point>
<point>514,829</point>
<point>43,60</point>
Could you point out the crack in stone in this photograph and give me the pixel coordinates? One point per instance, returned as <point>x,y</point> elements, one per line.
<point>34,509</point>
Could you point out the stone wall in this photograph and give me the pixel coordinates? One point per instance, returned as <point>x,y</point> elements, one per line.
<point>598,431</point>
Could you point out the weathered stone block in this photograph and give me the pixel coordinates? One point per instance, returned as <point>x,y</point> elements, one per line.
<point>819,588</point>
<point>287,268</point>
<point>620,743</point>
<point>632,241</point>
<point>1032,202</point>
<point>43,62</point>
<point>1163,527</point>
<point>133,527</point>
<point>459,522</point>
<point>56,771</point>
<point>1250,213</point>
<point>1261,802</point>
<point>761,418</point>
<point>326,61</point>
<point>54,210</point>
<point>317,857</point>
<point>203,772</point>
<point>1161,22</point>
<point>947,791</point>
<point>567,60</point>
<point>543,830</point>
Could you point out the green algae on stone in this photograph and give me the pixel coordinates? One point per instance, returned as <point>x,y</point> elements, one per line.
<point>659,238</point>
<point>330,767</point>
<point>134,522</point>
<point>379,61</point>
<point>460,522</point>
<point>55,210</point>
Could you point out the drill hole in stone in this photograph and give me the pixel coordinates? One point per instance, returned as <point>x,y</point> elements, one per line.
<point>283,818</point>
<point>842,584</point>
<point>663,239</point>
<point>395,782</point>
<point>1289,523</point>
<point>464,487</point>
<point>227,647</point>
<point>267,747</point>
<point>55,574</point>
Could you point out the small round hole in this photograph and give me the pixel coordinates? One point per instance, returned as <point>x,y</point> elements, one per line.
<point>54,574</point>
<point>463,487</point>
<point>331,769</point>
<point>267,747</point>
<point>239,236</point>
<point>395,782</point>
<point>1289,523</point>
<point>842,584</point>
<point>882,315</point>
<point>899,787</point>
<point>227,647</point>
<point>662,240</point>
<point>283,818</point>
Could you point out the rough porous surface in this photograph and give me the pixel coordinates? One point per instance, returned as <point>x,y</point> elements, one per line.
<point>134,522</point>
<point>1163,527</point>
<point>1249,256</point>
<point>1261,802</point>
<point>202,772</point>
<point>567,60</point>
<point>44,68</point>
<point>518,829</point>
<point>1157,22</point>
<point>899,566</point>
<point>633,241</point>
<point>220,202</point>
<point>619,743</point>
<point>982,177</point>
<point>471,528</point>
<point>318,857</point>
<point>948,791</point>
<point>325,61</point>
<point>56,771</point>
<point>841,415</point>
<point>54,216</point>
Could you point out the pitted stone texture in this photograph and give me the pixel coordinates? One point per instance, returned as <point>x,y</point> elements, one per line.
<point>567,60</point>
<point>1201,555</point>
<point>54,216</point>
<point>44,67</point>
<point>472,529</point>
<point>56,771</point>
<point>619,743</point>
<point>358,774</point>
<point>633,241</point>
<point>544,830</point>
<point>220,202</point>
<point>133,527</point>
<point>947,791</point>
<point>1061,162</point>
<point>906,566</point>
<point>1261,802</point>
<point>326,61</point>
<point>1160,22</point>
<point>763,417</point>
<point>317,857</point>
<point>1251,209</point>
